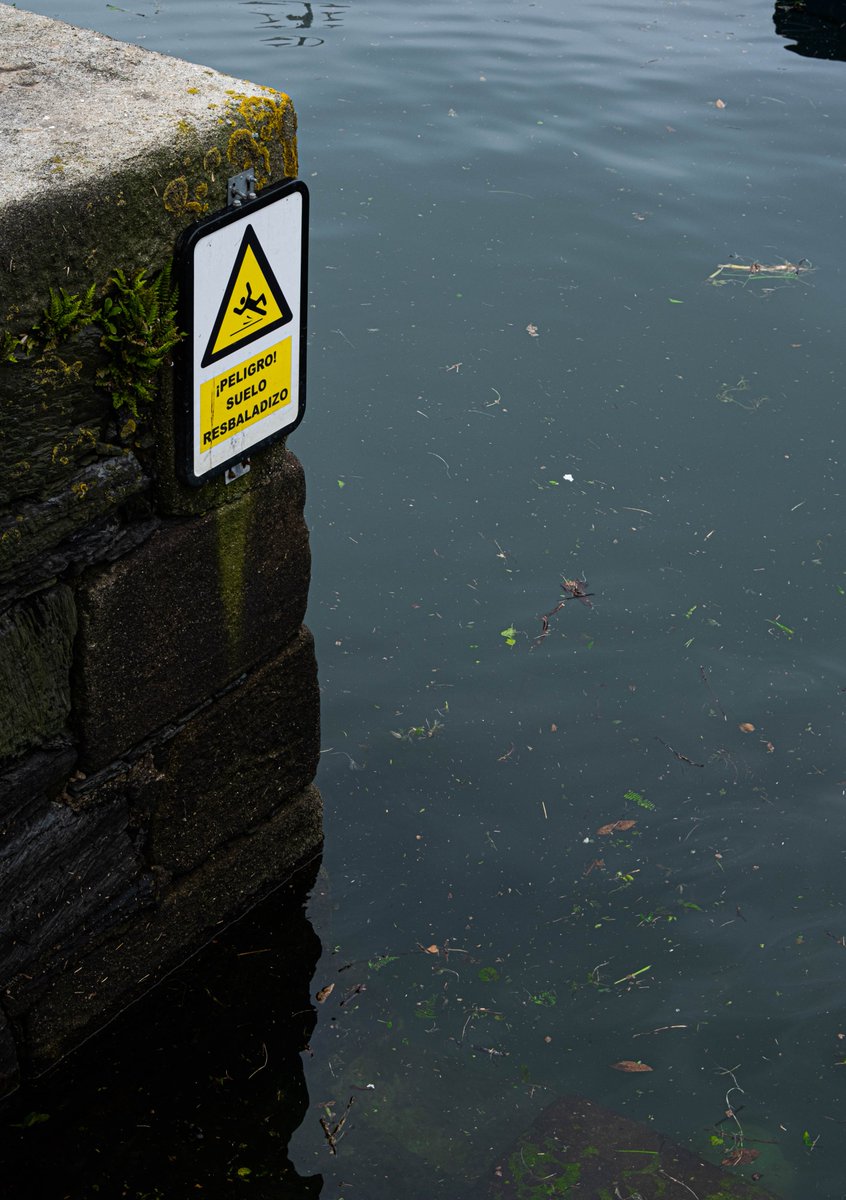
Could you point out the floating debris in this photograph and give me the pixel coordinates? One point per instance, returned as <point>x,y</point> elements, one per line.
<point>782,270</point>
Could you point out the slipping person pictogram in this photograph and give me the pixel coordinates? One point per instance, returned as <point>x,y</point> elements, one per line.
<point>259,305</point>
<point>252,305</point>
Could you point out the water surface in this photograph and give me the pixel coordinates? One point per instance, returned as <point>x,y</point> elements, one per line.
<point>520,372</point>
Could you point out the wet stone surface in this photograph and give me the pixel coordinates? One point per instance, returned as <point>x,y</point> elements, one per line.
<point>75,526</point>
<point>197,788</point>
<point>201,602</point>
<point>8,1058</point>
<point>36,640</point>
<point>64,876</point>
<point>127,960</point>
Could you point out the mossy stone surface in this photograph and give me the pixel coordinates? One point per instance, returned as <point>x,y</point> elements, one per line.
<point>51,417</point>
<point>31,532</point>
<point>36,640</point>
<point>9,1066</point>
<point>231,767</point>
<point>203,600</point>
<point>64,876</point>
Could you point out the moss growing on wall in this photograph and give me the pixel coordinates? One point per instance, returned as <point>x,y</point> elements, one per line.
<point>136,320</point>
<point>233,527</point>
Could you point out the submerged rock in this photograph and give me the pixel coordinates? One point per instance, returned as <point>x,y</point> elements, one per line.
<point>577,1149</point>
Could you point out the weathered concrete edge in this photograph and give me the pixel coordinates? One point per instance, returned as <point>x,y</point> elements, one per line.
<point>152,137</point>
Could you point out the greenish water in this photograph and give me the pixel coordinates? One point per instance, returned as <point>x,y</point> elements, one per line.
<point>521,371</point>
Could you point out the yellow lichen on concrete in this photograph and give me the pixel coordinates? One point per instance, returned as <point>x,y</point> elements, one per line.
<point>262,123</point>
<point>212,160</point>
<point>178,200</point>
<point>262,129</point>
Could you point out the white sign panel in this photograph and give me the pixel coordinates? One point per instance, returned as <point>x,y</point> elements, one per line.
<point>242,278</point>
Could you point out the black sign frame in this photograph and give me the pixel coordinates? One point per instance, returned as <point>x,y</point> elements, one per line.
<point>184,380</point>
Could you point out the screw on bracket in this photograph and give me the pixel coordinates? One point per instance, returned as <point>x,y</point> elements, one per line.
<point>236,471</point>
<point>241,188</point>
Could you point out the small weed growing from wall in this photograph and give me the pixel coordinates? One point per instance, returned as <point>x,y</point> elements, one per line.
<point>136,318</point>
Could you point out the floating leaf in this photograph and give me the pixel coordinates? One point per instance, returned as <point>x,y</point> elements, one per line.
<point>740,1157</point>
<point>638,799</point>
<point>746,727</point>
<point>33,1118</point>
<point>510,635</point>
<point>324,993</point>
<point>626,1064</point>
<point>672,301</point>
<point>376,964</point>
<point>622,826</point>
<point>433,949</point>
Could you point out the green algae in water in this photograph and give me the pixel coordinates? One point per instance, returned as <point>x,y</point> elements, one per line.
<point>535,1173</point>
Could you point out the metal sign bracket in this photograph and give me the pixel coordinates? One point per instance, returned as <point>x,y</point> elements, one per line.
<point>241,188</point>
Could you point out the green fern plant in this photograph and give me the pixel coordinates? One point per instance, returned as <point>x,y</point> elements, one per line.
<point>138,320</point>
<point>11,346</point>
<point>64,315</point>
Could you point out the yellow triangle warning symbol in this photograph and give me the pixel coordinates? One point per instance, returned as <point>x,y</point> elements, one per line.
<point>253,302</point>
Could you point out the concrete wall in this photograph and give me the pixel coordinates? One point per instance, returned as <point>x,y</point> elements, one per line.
<point>158,690</point>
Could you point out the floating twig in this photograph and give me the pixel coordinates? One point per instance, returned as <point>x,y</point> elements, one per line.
<point>263,1065</point>
<point>574,589</point>
<point>680,1182</point>
<point>681,757</point>
<point>354,991</point>
<point>333,1135</point>
<point>630,978</point>
<point>491,1051</point>
<point>441,459</point>
<point>788,269</point>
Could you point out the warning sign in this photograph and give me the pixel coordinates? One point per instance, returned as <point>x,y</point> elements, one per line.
<point>253,303</point>
<point>235,399</point>
<point>242,296</point>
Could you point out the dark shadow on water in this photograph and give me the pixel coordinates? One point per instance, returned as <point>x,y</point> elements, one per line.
<point>817,27</point>
<point>195,1090</point>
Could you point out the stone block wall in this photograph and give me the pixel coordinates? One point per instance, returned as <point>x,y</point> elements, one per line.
<point>159,710</point>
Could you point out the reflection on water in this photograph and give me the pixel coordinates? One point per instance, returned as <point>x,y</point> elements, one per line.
<point>329,16</point>
<point>195,1089</point>
<point>817,28</point>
